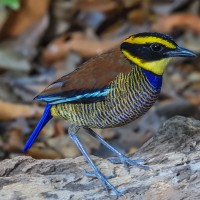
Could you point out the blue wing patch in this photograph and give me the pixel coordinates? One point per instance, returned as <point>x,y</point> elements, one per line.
<point>77,97</point>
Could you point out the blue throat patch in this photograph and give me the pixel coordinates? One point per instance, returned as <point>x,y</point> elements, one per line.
<point>154,79</point>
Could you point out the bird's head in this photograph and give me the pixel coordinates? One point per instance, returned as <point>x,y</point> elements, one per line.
<point>152,51</point>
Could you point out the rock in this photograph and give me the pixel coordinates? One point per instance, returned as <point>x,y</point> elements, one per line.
<point>172,154</point>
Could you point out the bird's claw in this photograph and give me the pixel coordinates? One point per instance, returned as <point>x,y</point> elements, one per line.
<point>127,162</point>
<point>104,181</point>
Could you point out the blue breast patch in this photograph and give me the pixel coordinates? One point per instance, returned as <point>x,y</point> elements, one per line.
<point>155,80</point>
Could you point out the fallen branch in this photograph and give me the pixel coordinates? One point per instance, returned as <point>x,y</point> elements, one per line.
<point>172,154</point>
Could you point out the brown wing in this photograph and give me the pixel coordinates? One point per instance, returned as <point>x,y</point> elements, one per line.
<point>90,82</point>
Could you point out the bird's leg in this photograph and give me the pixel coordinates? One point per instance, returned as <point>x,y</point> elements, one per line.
<point>121,157</point>
<point>96,172</point>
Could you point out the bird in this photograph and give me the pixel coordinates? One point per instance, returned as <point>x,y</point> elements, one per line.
<point>110,90</point>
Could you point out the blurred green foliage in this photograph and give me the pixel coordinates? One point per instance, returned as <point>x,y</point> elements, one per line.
<point>13,4</point>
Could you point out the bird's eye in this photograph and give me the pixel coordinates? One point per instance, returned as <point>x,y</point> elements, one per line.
<point>156,47</point>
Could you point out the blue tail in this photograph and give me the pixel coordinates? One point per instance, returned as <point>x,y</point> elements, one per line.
<point>43,121</point>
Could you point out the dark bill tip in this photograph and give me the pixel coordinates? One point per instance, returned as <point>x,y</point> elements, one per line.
<point>181,52</point>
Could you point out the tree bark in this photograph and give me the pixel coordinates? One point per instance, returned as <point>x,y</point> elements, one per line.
<point>172,154</point>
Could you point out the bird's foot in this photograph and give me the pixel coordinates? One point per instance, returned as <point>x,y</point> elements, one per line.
<point>122,159</point>
<point>104,180</point>
<point>93,175</point>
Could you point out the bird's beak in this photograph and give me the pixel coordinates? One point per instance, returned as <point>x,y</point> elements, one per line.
<point>180,52</point>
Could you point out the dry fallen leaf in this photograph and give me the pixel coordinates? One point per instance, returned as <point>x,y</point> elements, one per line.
<point>132,150</point>
<point>59,129</point>
<point>10,111</point>
<point>45,153</point>
<point>15,141</point>
<point>194,99</point>
<point>131,3</point>
<point>19,20</point>
<point>98,5</point>
<point>108,134</point>
<point>76,42</point>
<point>64,146</point>
<point>138,16</point>
<point>181,21</point>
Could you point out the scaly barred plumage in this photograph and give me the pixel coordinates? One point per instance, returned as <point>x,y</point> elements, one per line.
<point>110,90</point>
<point>130,96</point>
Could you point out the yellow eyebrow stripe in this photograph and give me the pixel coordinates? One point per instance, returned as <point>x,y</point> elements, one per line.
<point>149,39</point>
